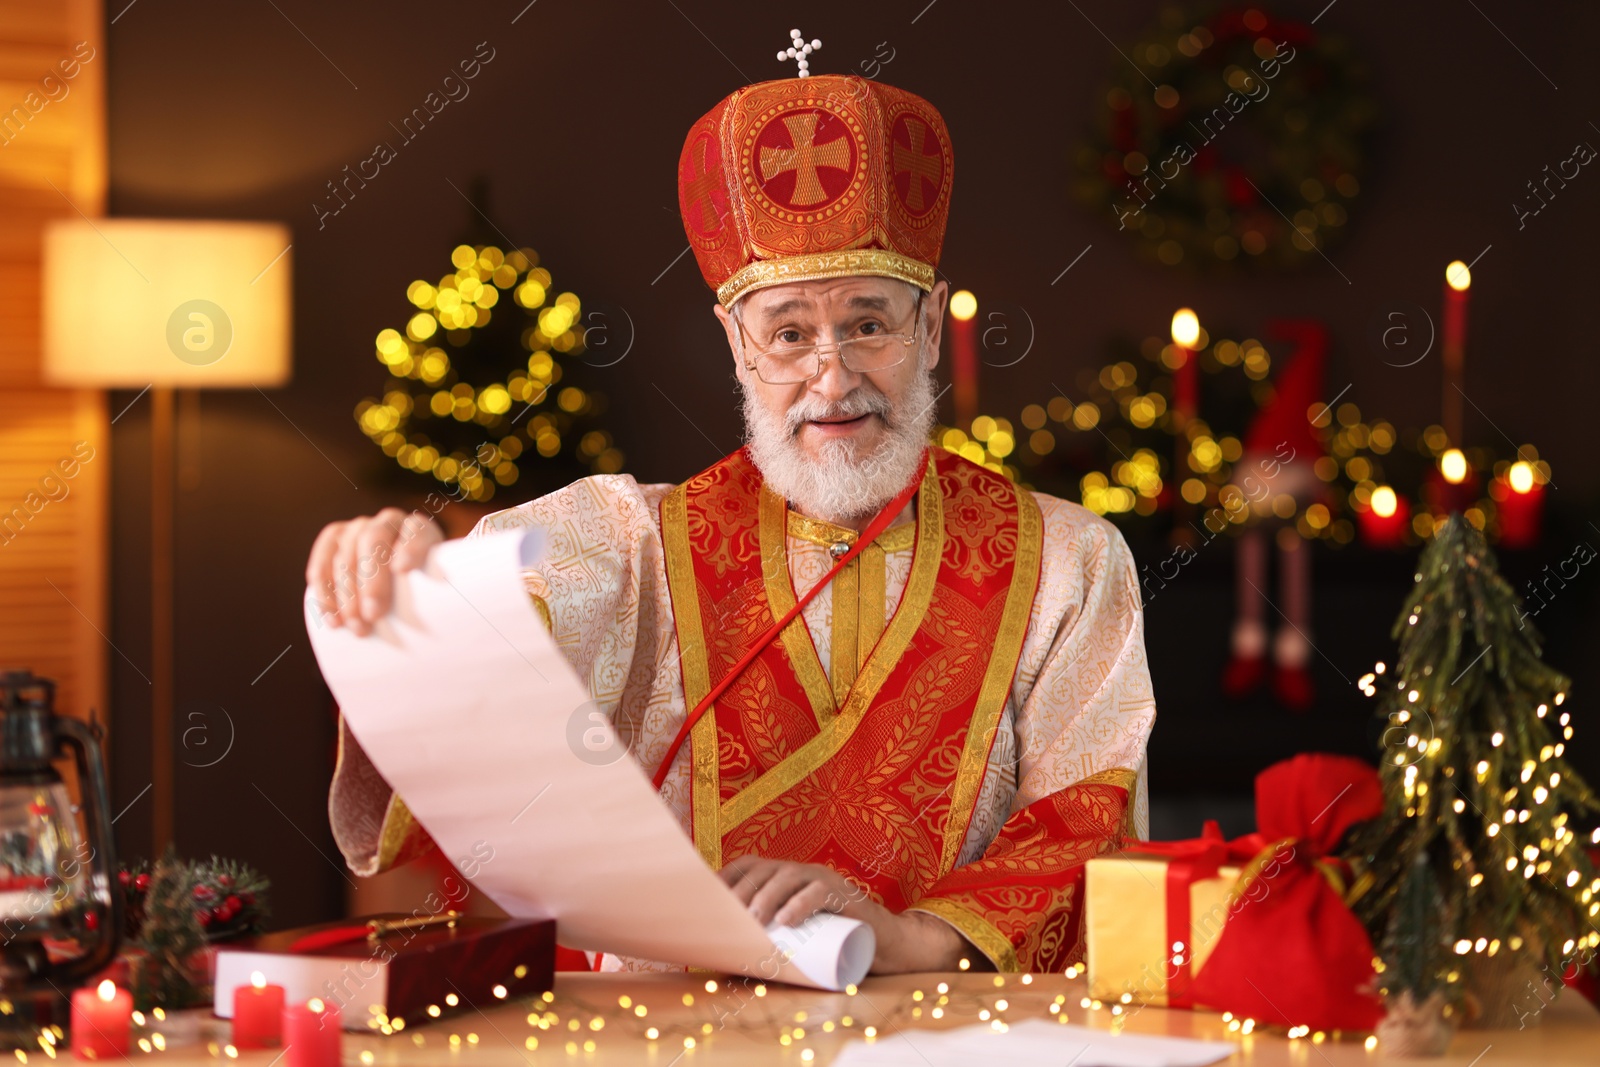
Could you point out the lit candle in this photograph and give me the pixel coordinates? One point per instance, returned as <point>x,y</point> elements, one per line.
<point>1186,383</point>
<point>964,356</point>
<point>100,1020</point>
<point>312,1036</point>
<point>1453,343</point>
<point>1521,498</point>
<point>1451,485</point>
<point>257,1013</point>
<point>1383,524</point>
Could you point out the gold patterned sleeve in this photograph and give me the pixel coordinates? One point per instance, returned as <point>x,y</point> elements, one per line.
<point>1083,722</point>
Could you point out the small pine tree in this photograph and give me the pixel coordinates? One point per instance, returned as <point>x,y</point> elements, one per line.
<point>1416,925</point>
<point>1477,851</point>
<point>171,937</point>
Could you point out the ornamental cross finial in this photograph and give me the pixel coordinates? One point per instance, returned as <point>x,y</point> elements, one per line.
<point>799,50</point>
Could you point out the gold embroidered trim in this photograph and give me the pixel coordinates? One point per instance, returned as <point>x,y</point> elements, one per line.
<point>814,266</point>
<point>796,636</point>
<point>907,619</point>
<point>996,686</point>
<point>1128,780</point>
<point>543,610</point>
<point>873,610</point>
<point>975,928</point>
<point>397,826</point>
<point>896,538</point>
<point>846,625</point>
<point>1120,776</point>
<point>705,787</point>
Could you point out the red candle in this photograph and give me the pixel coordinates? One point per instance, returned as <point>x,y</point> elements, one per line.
<point>100,1019</point>
<point>1452,485</point>
<point>257,1013</point>
<point>1453,344</point>
<point>964,356</point>
<point>1521,499</point>
<point>1186,381</point>
<point>312,1034</point>
<point>1384,522</point>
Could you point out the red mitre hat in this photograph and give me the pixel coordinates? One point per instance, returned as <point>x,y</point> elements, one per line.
<point>816,177</point>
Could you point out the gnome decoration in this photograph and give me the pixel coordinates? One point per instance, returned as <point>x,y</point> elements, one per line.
<point>1280,453</point>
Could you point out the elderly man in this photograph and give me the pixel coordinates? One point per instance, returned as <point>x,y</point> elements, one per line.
<point>956,718</point>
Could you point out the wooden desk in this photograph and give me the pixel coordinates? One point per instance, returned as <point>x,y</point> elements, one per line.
<point>496,1036</point>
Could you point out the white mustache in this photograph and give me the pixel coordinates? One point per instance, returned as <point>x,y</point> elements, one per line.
<point>852,406</point>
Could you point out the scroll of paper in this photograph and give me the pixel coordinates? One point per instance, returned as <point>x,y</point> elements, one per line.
<point>468,709</point>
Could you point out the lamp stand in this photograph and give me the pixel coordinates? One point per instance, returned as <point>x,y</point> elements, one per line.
<point>161,617</point>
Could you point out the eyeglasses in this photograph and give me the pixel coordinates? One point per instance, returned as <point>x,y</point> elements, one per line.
<point>788,364</point>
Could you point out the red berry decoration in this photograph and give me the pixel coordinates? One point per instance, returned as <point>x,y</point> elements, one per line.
<point>123,877</point>
<point>141,882</point>
<point>91,920</point>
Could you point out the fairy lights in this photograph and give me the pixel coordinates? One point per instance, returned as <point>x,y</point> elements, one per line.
<point>426,383</point>
<point>1127,398</point>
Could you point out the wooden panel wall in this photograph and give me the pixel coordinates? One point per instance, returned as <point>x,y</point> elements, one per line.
<point>54,443</point>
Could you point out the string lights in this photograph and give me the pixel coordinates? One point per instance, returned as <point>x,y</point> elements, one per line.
<point>1111,427</point>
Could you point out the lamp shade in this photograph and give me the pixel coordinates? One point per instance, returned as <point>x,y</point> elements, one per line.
<point>167,302</point>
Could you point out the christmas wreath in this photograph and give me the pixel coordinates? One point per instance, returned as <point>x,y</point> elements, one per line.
<point>1233,138</point>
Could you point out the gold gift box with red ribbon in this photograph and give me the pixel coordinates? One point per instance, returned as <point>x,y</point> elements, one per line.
<point>1133,943</point>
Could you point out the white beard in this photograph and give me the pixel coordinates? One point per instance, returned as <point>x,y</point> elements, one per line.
<point>840,485</point>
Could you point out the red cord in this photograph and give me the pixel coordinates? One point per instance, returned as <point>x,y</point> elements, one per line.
<point>874,528</point>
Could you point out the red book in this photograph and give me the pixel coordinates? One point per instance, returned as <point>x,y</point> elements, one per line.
<point>384,968</point>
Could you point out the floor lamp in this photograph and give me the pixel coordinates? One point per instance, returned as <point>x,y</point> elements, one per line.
<point>162,305</point>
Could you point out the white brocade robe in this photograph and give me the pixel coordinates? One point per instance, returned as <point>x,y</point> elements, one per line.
<point>1080,702</point>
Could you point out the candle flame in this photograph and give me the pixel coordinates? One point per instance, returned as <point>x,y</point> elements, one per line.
<point>1185,328</point>
<point>1458,276</point>
<point>258,979</point>
<point>963,305</point>
<point>1520,476</point>
<point>316,1005</point>
<point>107,990</point>
<point>1453,465</point>
<point>1384,502</point>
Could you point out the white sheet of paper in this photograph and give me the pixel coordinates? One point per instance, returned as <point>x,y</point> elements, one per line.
<point>469,710</point>
<point>1032,1043</point>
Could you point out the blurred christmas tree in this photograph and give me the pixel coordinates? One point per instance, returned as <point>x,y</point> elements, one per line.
<point>487,385</point>
<point>1481,802</point>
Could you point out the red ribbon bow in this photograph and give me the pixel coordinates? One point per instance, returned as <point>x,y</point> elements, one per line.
<point>1291,952</point>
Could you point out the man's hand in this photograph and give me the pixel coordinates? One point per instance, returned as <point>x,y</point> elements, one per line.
<point>352,564</point>
<point>789,893</point>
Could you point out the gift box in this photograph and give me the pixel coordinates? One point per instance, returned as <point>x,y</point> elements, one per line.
<point>387,968</point>
<point>1132,941</point>
<point>1257,925</point>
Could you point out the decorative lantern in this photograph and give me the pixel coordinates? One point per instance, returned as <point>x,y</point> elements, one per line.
<point>55,887</point>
